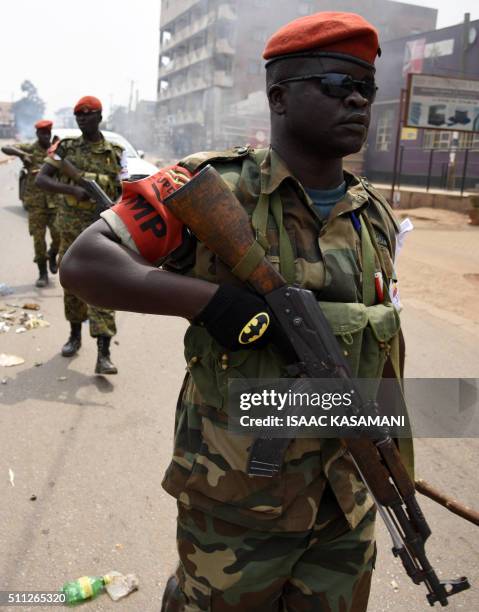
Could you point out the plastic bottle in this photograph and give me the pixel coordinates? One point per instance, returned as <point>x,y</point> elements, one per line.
<point>86,587</point>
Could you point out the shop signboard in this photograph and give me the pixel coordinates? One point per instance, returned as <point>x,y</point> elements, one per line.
<point>442,103</point>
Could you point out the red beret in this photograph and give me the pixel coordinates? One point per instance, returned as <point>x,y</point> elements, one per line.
<point>329,33</point>
<point>44,124</point>
<point>87,103</point>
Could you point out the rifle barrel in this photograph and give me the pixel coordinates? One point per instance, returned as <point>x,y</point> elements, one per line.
<point>451,504</point>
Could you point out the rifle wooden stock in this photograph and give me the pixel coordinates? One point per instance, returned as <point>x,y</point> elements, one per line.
<point>214,215</point>
<point>451,504</point>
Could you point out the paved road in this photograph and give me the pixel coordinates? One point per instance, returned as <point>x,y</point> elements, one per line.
<point>93,450</point>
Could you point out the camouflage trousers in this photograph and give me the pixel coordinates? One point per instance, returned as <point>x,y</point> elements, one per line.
<point>41,217</point>
<point>227,568</point>
<point>102,320</point>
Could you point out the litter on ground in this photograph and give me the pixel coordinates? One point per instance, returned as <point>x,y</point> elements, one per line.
<point>10,360</point>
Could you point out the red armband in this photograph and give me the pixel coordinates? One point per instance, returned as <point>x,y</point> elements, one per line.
<point>155,231</point>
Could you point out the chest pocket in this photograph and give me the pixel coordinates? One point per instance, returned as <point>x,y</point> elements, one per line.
<point>102,167</point>
<point>211,366</point>
<point>364,334</point>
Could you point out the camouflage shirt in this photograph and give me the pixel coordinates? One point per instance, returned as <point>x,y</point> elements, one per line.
<point>37,152</point>
<point>101,161</point>
<point>208,468</point>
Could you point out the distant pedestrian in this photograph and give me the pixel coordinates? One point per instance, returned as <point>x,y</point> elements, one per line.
<point>105,162</point>
<point>41,206</point>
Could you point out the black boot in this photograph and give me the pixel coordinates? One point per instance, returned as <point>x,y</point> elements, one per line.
<point>42,280</point>
<point>52,262</point>
<point>73,343</point>
<point>172,598</point>
<point>103,362</point>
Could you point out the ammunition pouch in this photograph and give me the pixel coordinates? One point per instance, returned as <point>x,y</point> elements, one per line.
<point>72,202</point>
<point>365,334</point>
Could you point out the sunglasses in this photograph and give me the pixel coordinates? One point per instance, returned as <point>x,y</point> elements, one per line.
<point>85,113</point>
<point>338,85</point>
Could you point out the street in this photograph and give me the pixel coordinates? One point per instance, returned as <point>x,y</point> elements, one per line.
<point>92,450</point>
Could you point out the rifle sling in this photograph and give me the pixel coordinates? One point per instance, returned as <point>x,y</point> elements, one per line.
<point>250,261</point>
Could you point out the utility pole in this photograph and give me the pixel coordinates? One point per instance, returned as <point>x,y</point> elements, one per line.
<point>451,171</point>
<point>130,98</point>
<point>393,196</point>
<point>129,111</point>
<point>465,42</point>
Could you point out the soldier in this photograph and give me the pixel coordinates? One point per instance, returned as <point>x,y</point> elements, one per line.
<point>104,162</point>
<point>41,207</point>
<point>303,539</point>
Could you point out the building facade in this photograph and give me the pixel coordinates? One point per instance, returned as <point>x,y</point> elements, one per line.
<point>424,157</point>
<point>7,120</point>
<point>210,59</point>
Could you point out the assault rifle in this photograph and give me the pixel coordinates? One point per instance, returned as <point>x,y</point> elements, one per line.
<point>207,206</point>
<point>93,189</point>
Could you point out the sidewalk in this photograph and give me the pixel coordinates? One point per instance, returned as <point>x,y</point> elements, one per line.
<point>432,190</point>
<point>411,196</point>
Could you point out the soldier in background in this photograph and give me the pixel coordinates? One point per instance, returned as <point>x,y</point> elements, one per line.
<point>41,207</point>
<point>104,162</point>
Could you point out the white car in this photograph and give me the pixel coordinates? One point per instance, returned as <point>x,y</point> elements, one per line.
<point>137,166</point>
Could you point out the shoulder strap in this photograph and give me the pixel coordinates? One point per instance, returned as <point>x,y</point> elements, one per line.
<point>259,221</point>
<point>286,254</point>
<point>198,160</point>
<point>369,267</point>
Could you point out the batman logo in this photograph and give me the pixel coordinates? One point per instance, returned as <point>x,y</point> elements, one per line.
<point>254,329</point>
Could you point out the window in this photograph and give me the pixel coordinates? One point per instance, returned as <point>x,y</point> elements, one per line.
<point>465,140</point>
<point>165,37</point>
<point>385,130</point>
<point>468,140</point>
<point>437,139</point>
<point>443,140</point>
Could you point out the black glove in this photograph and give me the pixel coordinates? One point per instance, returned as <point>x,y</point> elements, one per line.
<point>238,319</point>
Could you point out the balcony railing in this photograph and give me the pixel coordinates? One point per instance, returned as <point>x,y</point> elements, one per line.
<point>185,118</point>
<point>183,88</point>
<point>187,32</point>
<point>224,12</point>
<point>183,61</point>
<point>179,62</point>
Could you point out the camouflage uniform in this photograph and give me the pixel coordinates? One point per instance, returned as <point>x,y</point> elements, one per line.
<point>41,206</point>
<point>101,162</point>
<point>302,539</point>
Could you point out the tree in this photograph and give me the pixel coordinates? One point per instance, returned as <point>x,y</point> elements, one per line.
<point>27,110</point>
